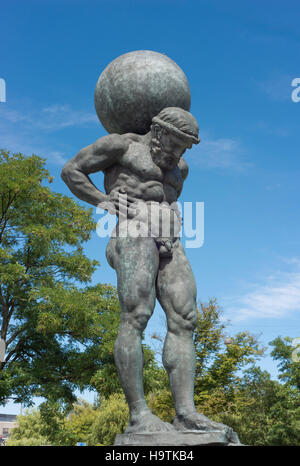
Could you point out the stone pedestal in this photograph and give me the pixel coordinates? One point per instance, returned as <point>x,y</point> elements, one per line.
<point>184,438</point>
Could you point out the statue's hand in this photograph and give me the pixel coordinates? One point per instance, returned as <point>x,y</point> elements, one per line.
<point>118,202</point>
<point>107,204</point>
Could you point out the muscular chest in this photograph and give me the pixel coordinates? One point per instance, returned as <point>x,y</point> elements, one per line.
<point>142,178</point>
<point>139,161</point>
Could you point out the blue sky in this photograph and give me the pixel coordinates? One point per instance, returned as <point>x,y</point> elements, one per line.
<point>240,59</point>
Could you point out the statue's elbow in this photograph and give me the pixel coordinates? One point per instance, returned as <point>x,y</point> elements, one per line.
<point>65,173</point>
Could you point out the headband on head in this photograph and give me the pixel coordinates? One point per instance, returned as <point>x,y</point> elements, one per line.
<point>173,129</point>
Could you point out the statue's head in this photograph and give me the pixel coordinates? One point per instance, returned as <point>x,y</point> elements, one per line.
<point>173,131</point>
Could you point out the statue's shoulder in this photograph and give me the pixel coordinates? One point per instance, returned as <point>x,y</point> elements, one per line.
<point>135,144</point>
<point>116,143</point>
<point>132,137</point>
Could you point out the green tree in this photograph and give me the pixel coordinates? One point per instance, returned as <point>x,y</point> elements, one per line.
<point>80,421</point>
<point>282,352</point>
<point>161,404</point>
<point>52,329</point>
<point>232,389</point>
<point>261,410</point>
<point>219,367</point>
<point>53,423</point>
<point>264,411</point>
<point>28,431</point>
<point>112,419</point>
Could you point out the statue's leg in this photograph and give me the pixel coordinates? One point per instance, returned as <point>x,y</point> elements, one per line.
<point>136,263</point>
<point>176,291</point>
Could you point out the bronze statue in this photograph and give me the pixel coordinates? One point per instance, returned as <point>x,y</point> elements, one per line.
<point>149,168</point>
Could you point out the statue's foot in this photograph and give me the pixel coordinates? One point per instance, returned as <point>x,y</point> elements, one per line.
<point>197,421</point>
<point>147,422</point>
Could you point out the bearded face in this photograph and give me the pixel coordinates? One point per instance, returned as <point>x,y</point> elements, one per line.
<point>166,148</point>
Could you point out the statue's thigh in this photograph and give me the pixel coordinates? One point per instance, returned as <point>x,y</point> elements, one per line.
<point>136,262</point>
<point>176,287</point>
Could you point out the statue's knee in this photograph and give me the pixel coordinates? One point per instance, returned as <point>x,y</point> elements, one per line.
<point>190,321</point>
<point>139,318</point>
<point>193,319</point>
<point>189,316</point>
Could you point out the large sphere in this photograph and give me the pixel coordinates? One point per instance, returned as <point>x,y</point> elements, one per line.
<point>135,87</point>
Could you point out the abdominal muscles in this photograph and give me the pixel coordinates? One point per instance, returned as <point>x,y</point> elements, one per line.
<point>152,191</point>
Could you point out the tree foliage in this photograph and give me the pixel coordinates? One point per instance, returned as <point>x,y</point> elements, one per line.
<point>282,352</point>
<point>37,275</point>
<point>261,410</point>
<point>55,327</point>
<point>80,422</point>
<point>59,331</point>
<point>53,423</point>
<point>232,389</point>
<point>219,365</point>
<point>27,433</point>
<point>264,411</point>
<point>112,419</point>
